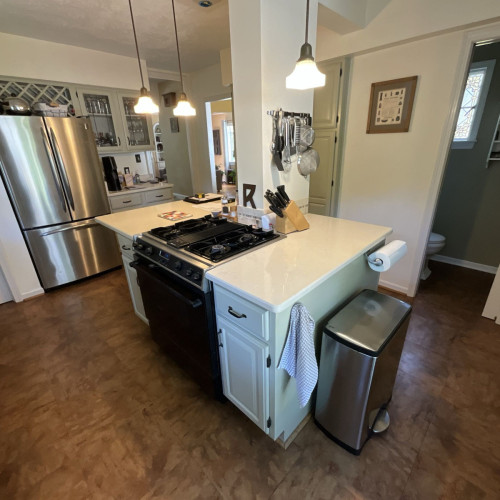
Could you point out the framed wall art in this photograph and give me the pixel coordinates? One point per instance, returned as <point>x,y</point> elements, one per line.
<point>391,104</point>
<point>216,134</point>
<point>174,125</point>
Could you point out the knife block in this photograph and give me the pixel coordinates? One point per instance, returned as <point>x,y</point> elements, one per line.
<point>293,220</point>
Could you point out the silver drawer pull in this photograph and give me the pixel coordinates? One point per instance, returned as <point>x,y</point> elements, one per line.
<point>236,314</point>
<point>128,201</point>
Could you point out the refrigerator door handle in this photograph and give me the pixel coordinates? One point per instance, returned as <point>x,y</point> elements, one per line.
<point>62,168</point>
<point>53,168</point>
<point>62,230</point>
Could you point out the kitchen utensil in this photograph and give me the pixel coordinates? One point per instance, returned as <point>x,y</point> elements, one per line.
<point>286,149</point>
<point>16,106</point>
<point>282,203</point>
<point>273,137</point>
<point>308,162</point>
<point>281,190</point>
<point>306,137</point>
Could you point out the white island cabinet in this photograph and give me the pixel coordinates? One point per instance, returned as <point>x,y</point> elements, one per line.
<point>322,267</point>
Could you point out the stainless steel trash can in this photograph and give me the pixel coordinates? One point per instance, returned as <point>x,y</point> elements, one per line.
<point>360,353</point>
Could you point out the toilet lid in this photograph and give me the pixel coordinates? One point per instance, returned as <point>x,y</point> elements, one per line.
<point>436,238</point>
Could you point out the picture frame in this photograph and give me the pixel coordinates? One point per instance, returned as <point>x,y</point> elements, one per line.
<point>174,125</point>
<point>170,100</point>
<point>217,150</point>
<point>391,105</point>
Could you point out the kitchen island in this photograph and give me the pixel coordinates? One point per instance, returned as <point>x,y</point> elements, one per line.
<point>321,267</point>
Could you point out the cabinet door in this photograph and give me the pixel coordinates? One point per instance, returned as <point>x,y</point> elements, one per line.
<point>138,128</point>
<point>245,378</point>
<point>102,109</point>
<point>133,286</point>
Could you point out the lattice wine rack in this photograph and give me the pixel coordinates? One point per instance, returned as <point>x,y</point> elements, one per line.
<point>35,92</point>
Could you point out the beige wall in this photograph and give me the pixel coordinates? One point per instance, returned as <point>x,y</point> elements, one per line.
<point>175,145</point>
<point>387,178</point>
<point>406,20</point>
<point>37,59</point>
<point>203,86</point>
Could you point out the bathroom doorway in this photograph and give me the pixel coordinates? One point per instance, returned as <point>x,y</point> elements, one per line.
<point>221,145</point>
<point>469,200</point>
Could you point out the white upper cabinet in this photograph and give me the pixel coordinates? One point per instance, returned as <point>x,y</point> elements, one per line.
<point>116,126</point>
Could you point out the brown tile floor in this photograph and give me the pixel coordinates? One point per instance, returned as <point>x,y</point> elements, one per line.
<point>89,408</point>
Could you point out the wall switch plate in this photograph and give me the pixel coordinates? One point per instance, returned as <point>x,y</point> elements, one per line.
<point>138,158</point>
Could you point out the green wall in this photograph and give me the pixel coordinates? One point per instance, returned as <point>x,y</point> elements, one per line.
<point>468,210</point>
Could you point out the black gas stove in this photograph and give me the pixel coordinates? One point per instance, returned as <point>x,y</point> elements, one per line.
<point>189,248</point>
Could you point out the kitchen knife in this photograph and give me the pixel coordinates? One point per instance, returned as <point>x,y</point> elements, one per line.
<point>282,203</point>
<point>281,190</point>
<point>276,210</point>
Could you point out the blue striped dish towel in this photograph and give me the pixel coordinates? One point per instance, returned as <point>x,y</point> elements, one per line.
<point>298,357</point>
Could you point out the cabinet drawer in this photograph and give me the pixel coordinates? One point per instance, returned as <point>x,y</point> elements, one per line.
<point>125,201</point>
<point>125,246</point>
<point>241,312</point>
<point>158,195</point>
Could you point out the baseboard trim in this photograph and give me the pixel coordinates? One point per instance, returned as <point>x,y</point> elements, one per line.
<point>393,286</point>
<point>464,263</point>
<point>31,293</point>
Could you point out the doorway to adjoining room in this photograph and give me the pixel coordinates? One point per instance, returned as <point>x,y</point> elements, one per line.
<point>221,145</point>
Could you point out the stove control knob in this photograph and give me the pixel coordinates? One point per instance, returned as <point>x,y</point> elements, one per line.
<point>178,265</point>
<point>139,246</point>
<point>196,276</point>
<point>189,272</point>
<point>149,250</point>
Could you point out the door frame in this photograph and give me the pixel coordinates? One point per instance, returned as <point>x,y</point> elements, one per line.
<point>470,38</point>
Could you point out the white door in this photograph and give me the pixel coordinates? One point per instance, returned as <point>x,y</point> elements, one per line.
<point>326,125</point>
<point>245,378</point>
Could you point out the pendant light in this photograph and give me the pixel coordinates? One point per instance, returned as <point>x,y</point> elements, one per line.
<point>306,75</point>
<point>145,104</point>
<point>183,107</point>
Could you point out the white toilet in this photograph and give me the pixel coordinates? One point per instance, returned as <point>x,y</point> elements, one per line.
<point>435,244</point>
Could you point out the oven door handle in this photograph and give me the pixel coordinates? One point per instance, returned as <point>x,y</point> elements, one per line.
<point>193,303</point>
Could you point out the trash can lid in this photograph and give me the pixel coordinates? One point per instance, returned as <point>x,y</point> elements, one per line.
<point>368,321</point>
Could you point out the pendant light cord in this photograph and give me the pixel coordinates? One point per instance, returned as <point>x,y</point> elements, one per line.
<point>135,38</point>
<point>307,20</point>
<point>177,43</point>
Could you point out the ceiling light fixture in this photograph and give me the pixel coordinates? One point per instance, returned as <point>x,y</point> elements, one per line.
<point>145,104</point>
<point>183,108</point>
<point>306,75</point>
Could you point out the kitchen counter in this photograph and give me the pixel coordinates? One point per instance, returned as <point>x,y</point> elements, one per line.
<point>141,188</point>
<point>143,219</point>
<point>277,275</point>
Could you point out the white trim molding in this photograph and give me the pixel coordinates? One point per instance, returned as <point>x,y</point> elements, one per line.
<point>464,263</point>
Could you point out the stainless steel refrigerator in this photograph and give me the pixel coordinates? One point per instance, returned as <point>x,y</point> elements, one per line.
<point>54,178</point>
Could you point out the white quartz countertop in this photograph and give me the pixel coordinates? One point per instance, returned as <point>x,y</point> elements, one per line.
<point>140,220</point>
<point>140,188</point>
<point>278,274</point>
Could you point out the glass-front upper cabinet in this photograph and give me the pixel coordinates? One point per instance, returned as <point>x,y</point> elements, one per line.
<point>138,128</point>
<point>101,110</point>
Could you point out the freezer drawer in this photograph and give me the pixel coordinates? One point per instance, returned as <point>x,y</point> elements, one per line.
<point>69,252</point>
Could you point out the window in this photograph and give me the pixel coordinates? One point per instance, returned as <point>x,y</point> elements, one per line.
<point>473,101</point>
<point>229,143</point>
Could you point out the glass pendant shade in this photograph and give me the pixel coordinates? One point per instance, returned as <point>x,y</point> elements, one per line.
<point>184,107</point>
<point>145,104</point>
<point>306,74</point>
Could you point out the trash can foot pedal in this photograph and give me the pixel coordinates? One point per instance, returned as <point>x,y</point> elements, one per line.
<point>382,421</point>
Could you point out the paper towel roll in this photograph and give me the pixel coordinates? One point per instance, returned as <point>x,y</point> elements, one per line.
<point>384,258</point>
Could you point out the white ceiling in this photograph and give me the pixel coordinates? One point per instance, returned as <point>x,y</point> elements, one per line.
<point>105,25</point>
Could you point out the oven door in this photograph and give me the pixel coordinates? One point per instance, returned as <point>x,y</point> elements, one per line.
<point>182,322</point>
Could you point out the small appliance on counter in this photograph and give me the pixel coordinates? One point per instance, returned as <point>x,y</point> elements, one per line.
<point>111,173</point>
